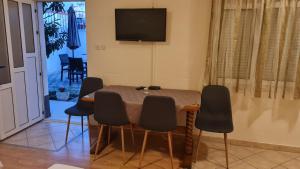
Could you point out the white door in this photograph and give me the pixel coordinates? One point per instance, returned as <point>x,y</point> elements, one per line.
<point>20,91</point>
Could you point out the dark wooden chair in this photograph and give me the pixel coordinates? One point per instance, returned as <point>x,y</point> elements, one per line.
<point>64,64</point>
<point>215,113</point>
<point>110,111</point>
<point>81,108</point>
<point>158,114</point>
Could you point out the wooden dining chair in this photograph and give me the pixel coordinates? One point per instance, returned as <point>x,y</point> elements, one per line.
<point>158,114</point>
<point>215,113</point>
<point>110,111</point>
<point>81,108</point>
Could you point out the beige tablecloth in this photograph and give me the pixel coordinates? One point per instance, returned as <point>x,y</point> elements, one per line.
<point>134,99</point>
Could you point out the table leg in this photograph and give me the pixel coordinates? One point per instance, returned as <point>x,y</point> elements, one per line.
<point>188,147</point>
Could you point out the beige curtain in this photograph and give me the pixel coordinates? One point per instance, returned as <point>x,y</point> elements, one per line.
<point>254,47</point>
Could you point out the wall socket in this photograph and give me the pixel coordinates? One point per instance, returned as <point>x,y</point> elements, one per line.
<point>100,47</point>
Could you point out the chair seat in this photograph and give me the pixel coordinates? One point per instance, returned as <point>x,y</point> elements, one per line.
<point>212,123</point>
<point>75,111</point>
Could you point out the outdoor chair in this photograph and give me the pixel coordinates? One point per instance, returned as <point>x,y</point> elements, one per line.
<point>76,69</point>
<point>64,63</point>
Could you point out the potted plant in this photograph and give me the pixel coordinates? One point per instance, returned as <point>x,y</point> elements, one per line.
<point>62,94</point>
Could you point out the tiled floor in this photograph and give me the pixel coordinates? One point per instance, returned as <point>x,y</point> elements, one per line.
<point>211,154</point>
<point>54,83</point>
<point>213,157</point>
<point>45,135</point>
<point>57,112</point>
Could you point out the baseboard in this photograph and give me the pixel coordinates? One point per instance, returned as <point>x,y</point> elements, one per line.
<point>252,144</point>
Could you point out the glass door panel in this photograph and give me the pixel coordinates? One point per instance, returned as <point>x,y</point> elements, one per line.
<point>4,60</point>
<point>15,31</point>
<point>28,28</point>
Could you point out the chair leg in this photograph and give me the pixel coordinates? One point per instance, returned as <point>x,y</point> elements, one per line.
<point>123,142</point>
<point>82,125</point>
<point>70,79</point>
<point>68,127</point>
<point>143,148</point>
<point>108,135</point>
<point>89,125</point>
<point>132,134</point>
<point>226,148</point>
<point>98,141</point>
<point>198,145</point>
<point>61,73</point>
<point>170,140</point>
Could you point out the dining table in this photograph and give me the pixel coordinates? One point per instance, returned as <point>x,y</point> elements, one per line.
<point>187,103</point>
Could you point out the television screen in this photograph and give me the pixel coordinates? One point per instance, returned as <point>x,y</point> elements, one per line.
<point>141,24</point>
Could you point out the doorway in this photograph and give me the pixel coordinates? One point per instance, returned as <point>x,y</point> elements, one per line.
<point>63,75</point>
<point>25,72</point>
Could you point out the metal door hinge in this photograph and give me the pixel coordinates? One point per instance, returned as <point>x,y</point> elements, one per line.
<point>35,10</point>
<point>37,32</point>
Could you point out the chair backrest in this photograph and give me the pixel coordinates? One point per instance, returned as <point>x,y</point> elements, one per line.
<point>215,99</point>
<point>109,109</point>
<point>158,114</point>
<point>76,64</point>
<point>64,59</point>
<point>88,86</point>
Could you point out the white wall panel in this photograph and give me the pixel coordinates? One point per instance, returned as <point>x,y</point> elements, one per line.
<point>7,110</point>
<point>32,88</point>
<point>21,99</point>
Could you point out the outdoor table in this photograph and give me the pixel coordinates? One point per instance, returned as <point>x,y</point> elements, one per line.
<point>187,101</point>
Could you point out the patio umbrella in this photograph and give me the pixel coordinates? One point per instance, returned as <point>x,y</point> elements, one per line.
<point>73,41</point>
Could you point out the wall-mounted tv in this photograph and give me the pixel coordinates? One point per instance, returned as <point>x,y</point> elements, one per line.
<point>143,24</point>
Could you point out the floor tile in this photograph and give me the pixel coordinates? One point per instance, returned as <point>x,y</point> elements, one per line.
<point>293,164</point>
<point>205,165</point>
<point>242,165</point>
<point>19,136</point>
<point>22,142</point>
<point>45,135</point>
<point>219,157</point>
<point>240,152</point>
<point>259,162</point>
<point>276,156</point>
<point>279,167</point>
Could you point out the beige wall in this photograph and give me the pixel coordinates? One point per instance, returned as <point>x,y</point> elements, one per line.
<point>179,63</point>
<point>175,62</point>
<point>266,120</point>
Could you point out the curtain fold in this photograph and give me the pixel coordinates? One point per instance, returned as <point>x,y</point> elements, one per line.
<point>254,47</point>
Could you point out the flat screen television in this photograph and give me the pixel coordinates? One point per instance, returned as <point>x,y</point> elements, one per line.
<point>143,24</point>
